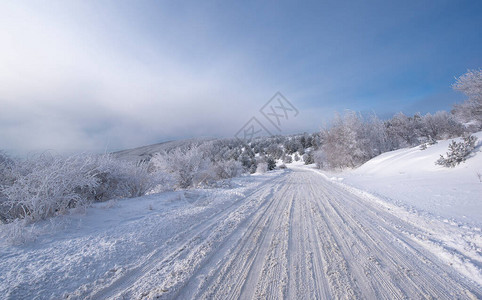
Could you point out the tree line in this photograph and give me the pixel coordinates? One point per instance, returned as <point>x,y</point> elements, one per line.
<point>45,185</point>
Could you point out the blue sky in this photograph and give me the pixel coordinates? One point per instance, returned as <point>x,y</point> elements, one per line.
<point>97,75</point>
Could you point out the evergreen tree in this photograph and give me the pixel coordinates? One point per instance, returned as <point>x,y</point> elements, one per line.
<point>271,163</point>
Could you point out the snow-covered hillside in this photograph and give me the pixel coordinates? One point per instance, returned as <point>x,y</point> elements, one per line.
<point>145,152</point>
<point>411,178</point>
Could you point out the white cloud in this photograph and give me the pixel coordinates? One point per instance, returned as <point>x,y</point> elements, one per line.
<point>68,88</point>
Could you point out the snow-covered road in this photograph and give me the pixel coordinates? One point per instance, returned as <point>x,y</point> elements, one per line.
<point>298,235</point>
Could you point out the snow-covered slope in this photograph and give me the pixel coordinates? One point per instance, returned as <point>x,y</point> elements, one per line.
<point>411,177</point>
<point>143,152</point>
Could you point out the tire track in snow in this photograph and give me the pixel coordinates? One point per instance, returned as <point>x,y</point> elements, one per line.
<point>240,259</point>
<point>395,266</point>
<point>299,236</point>
<point>175,247</point>
<point>172,274</point>
<point>273,277</point>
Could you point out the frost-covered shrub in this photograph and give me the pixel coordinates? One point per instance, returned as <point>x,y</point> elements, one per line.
<point>139,180</point>
<point>6,179</point>
<point>262,168</point>
<point>253,168</point>
<point>430,142</point>
<point>5,214</point>
<point>203,165</point>
<point>248,162</point>
<point>6,164</point>
<point>46,185</point>
<point>6,175</point>
<point>287,159</point>
<point>187,166</point>
<point>319,159</point>
<point>18,232</point>
<point>228,169</point>
<point>126,179</point>
<point>458,152</point>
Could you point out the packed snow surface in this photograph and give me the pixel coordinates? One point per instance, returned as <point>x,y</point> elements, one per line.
<point>290,234</point>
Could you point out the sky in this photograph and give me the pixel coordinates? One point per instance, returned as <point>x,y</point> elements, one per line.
<point>109,75</point>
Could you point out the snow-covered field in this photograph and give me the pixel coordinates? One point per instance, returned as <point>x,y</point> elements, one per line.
<point>291,234</point>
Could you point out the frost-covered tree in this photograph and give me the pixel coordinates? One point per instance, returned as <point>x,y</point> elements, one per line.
<point>441,125</point>
<point>290,146</point>
<point>274,150</point>
<point>271,163</point>
<point>344,144</point>
<point>470,111</point>
<point>308,158</point>
<point>375,134</point>
<point>403,131</point>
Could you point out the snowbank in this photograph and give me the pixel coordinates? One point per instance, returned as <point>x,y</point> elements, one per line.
<point>409,177</point>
